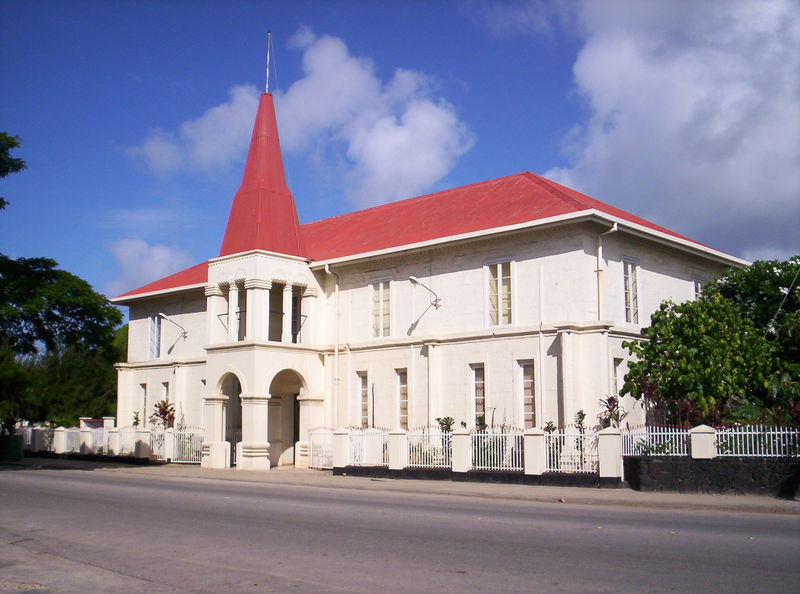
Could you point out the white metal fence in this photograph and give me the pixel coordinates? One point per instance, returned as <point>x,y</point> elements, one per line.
<point>655,440</point>
<point>571,449</point>
<point>369,447</point>
<point>430,447</point>
<point>758,440</point>
<point>158,441</point>
<point>187,445</point>
<point>321,447</point>
<point>127,441</point>
<point>100,441</point>
<point>73,440</point>
<point>498,448</point>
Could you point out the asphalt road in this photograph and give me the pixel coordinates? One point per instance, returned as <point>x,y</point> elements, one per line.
<point>73,530</point>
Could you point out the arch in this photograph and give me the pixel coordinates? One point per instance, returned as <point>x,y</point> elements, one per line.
<point>287,381</point>
<point>231,386</point>
<point>284,415</point>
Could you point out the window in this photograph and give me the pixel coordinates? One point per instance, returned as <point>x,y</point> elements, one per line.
<point>617,376</point>
<point>241,315</point>
<point>528,395</point>
<point>630,268</point>
<point>155,336</point>
<point>479,390</point>
<point>499,276</point>
<point>402,397</point>
<point>363,387</point>
<point>699,282</point>
<point>381,309</point>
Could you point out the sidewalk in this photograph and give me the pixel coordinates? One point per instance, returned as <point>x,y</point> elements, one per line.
<point>324,479</point>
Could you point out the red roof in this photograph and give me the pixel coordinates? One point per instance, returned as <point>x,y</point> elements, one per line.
<point>519,198</point>
<point>263,215</point>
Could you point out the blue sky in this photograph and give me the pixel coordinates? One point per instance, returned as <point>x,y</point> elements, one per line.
<point>135,116</point>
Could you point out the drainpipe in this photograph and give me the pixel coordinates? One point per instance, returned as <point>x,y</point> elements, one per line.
<point>336,379</point>
<point>599,269</point>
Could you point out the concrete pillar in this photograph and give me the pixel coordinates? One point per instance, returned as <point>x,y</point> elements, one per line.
<point>233,309</point>
<point>286,329</point>
<point>312,415</point>
<point>535,457</point>
<point>82,422</point>
<point>257,308</point>
<point>462,450</point>
<point>86,439</point>
<point>216,451</point>
<point>142,443</point>
<point>109,422</point>
<point>169,444</point>
<point>215,307</point>
<point>308,332</point>
<point>702,442</point>
<point>398,449</point>
<point>341,448</point>
<point>254,453</point>
<point>609,453</point>
<point>60,440</point>
<point>113,441</point>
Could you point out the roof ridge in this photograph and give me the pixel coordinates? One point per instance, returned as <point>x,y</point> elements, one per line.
<point>547,185</point>
<point>405,200</point>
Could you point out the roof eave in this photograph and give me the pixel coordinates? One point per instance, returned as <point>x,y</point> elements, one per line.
<point>124,299</point>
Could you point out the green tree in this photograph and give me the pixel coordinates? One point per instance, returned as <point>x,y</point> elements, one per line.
<point>8,164</point>
<point>13,386</point>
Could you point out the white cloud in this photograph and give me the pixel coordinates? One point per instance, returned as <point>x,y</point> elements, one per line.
<point>397,138</point>
<point>211,142</point>
<point>140,263</point>
<point>695,112</point>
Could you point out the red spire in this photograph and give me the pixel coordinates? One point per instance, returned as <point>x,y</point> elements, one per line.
<point>263,215</point>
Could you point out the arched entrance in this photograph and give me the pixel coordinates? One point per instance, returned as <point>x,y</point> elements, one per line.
<point>232,388</point>
<point>284,416</point>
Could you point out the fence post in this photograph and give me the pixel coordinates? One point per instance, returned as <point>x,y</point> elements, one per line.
<point>109,422</point>
<point>398,449</point>
<point>533,451</point>
<point>82,422</point>
<point>169,445</point>
<point>86,439</point>
<point>609,453</point>
<point>702,442</point>
<point>462,450</point>
<point>36,439</point>
<point>113,441</point>
<point>341,448</point>
<point>142,449</point>
<point>60,440</point>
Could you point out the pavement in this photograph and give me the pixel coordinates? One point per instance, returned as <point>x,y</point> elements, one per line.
<point>323,479</point>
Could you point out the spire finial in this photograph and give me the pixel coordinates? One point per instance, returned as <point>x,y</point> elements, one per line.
<point>269,48</point>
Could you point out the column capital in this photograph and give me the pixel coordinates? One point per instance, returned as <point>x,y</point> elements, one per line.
<point>215,399</point>
<point>310,292</point>
<point>254,398</point>
<point>257,283</point>
<point>214,291</point>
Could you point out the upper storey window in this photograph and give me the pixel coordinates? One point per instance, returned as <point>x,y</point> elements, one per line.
<point>699,282</point>
<point>381,309</point>
<point>154,350</point>
<point>630,271</point>
<point>499,291</point>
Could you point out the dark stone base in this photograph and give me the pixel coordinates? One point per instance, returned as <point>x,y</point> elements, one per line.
<point>777,477</point>
<point>96,458</point>
<point>551,479</point>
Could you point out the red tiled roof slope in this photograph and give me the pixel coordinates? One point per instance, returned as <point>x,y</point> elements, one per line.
<point>510,200</point>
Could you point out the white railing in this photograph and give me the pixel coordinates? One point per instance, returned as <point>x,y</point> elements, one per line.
<point>73,440</point>
<point>187,445</point>
<point>758,440</point>
<point>321,446</point>
<point>429,447</point>
<point>99,441</point>
<point>157,443</point>
<point>655,440</point>
<point>369,447</point>
<point>27,437</point>
<point>571,449</point>
<point>497,448</point>
<point>127,441</point>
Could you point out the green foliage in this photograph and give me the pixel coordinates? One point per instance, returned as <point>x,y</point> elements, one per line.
<point>611,412</point>
<point>480,422</point>
<point>164,412</point>
<point>42,306</point>
<point>13,386</point>
<point>732,355</point>
<point>8,164</point>
<point>445,424</point>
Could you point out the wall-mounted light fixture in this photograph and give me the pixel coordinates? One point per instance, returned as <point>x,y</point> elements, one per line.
<point>437,303</point>
<point>163,316</point>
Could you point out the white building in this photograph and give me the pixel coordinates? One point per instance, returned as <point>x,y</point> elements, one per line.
<point>507,299</point>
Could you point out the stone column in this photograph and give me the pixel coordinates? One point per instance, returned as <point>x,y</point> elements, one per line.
<point>215,306</point>
<point>398,449</point>
<point>702,442</point>
<point>341,448</point>
<point>311,416</point>
<point>86,440</point>
<point>286,329</point>
<point>308,331</point>
<point>462,451</point>
<point>109,422</point>
<point>257,308</point>
<point>609,453</point>
<point>113,441</point>
<point>233,308</point>
<point>82,422</point>
<point>216,451</point>
<point>534,451</point>
<point>59,440</point>
<point>255,447</point>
